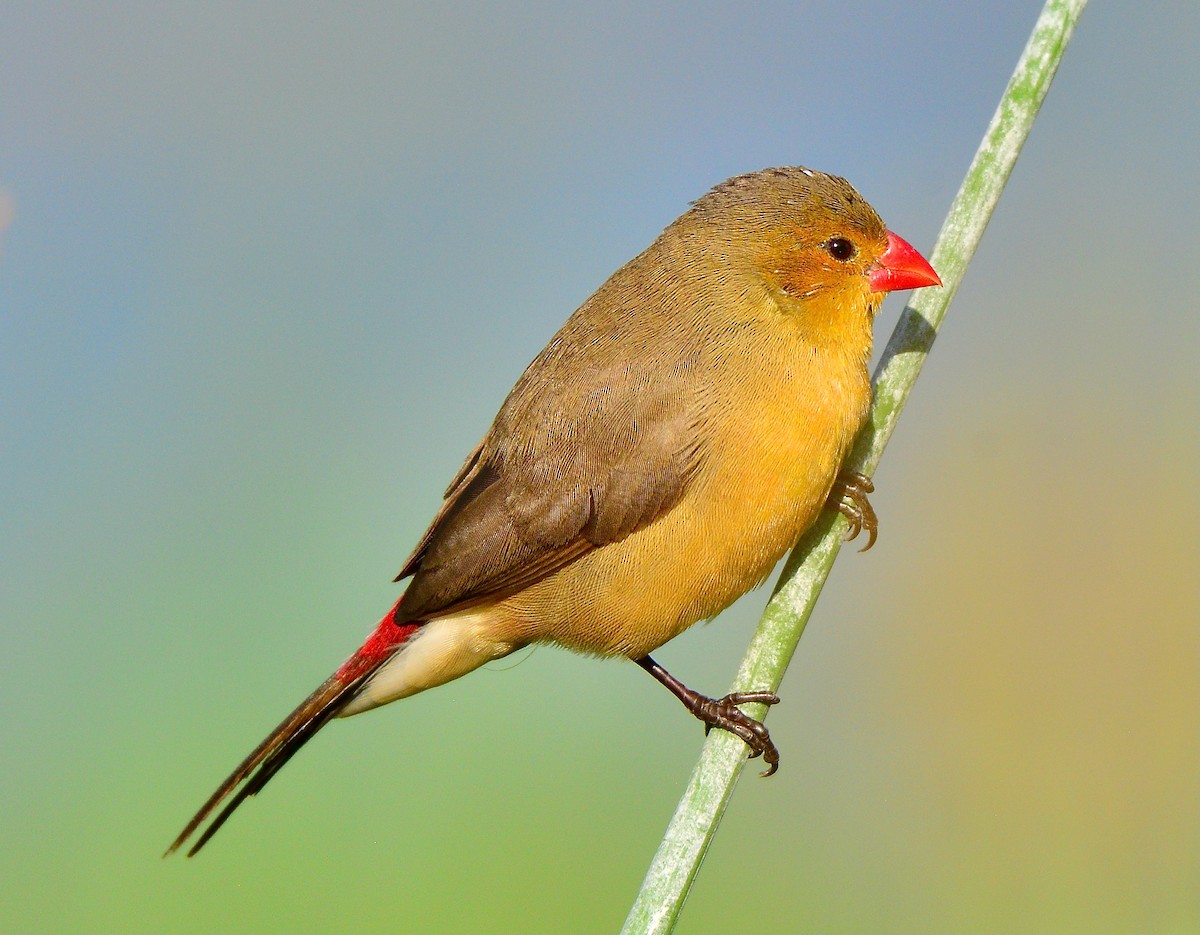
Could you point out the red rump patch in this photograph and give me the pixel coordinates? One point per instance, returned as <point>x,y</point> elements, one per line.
<point>383,641</point>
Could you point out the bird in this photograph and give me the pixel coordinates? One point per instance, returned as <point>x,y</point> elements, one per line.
<point>680,432</point>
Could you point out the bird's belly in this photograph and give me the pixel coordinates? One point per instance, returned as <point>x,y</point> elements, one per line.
<point>761,485</point>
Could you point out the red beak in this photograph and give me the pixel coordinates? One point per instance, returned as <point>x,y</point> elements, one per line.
<point>901,267</point>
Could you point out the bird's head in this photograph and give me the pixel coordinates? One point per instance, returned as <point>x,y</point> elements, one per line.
<point>816,244</point>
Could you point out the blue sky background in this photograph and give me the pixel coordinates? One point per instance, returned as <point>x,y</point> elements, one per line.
<point>266,272</point>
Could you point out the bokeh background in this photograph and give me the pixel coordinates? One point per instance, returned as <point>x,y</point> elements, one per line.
<point>266,272</point>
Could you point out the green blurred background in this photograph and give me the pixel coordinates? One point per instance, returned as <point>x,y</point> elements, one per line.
<point>266,273</point>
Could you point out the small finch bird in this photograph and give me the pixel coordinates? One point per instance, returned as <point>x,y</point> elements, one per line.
<point>679,434</point>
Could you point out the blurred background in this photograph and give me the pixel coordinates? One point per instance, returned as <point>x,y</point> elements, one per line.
<point>267,271</point>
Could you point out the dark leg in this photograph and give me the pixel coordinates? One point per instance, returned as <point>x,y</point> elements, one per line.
<point>723,713</point>
<point>849,497</point>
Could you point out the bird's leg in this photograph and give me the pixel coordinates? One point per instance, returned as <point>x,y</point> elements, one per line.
<point>849,497</point>
<point>724,713</point>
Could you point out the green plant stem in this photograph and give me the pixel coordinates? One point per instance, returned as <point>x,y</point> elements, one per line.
<point>674,866</point>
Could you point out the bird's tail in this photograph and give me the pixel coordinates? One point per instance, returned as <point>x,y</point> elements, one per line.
<point>298,728</point>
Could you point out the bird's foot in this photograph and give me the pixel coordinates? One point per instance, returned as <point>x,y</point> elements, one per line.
<point>724,713</point>
<point>849,496</point>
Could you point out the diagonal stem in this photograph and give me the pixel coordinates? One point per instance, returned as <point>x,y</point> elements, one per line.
<point>686,840</point>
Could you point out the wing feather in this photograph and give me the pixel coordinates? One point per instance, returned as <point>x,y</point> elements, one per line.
<point>591,445</point>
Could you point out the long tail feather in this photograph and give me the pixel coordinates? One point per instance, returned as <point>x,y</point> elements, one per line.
<point>256,770</point>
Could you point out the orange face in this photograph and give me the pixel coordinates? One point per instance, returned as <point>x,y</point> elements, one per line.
<point>821,270</point>
<point>833,268</point>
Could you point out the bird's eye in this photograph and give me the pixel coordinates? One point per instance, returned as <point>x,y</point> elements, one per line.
<point>840,248</point>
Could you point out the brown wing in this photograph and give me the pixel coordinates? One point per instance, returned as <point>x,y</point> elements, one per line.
<point>593,443</point>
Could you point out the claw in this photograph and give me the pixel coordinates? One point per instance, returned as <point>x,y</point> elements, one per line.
<point>849,497</point>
